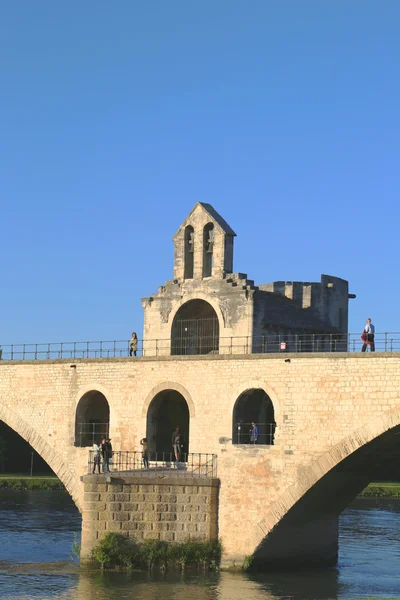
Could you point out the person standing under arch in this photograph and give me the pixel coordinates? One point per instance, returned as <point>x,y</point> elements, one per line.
<point>176,444</point>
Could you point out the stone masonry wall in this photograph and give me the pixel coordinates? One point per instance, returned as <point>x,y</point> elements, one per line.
<point>173,509</point>
<point>326,406</point>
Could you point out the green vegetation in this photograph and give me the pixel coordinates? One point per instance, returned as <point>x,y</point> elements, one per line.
<point>385,489</point>
<point>24,482</point>
<point>115,551</point>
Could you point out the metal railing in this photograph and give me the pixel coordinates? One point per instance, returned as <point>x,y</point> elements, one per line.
<point>246,434</point>
<point>272,342</point>
<point>89,433</point>
<point>159,463</point>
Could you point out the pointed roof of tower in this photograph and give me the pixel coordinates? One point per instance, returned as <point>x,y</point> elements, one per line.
<point>214,216</point>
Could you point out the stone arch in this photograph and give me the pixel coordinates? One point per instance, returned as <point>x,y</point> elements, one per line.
<point>195,329</point>
<point>322,466</point>
<point>253,404</point>
<point>92,418</point>
<point>168,385</point>
<point>199,296</point>
<point>43,448</point>
<point>256,384</point>
<point>168,411</point>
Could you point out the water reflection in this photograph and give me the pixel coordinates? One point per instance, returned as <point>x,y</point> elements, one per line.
<point>39,527</point>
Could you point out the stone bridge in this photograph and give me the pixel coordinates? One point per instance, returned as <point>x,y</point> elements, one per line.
<point>337,418</point>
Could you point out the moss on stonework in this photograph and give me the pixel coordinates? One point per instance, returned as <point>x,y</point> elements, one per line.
<point>115,551</point>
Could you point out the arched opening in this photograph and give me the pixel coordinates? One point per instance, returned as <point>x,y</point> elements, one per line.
<point>253,419</point>
<point>208,249</point>
<point>195,329</point>
<point>189,252</point>
<point>92,419</point>
<point>18,456</point>
<point>167,410</point>
<point>310,526</point>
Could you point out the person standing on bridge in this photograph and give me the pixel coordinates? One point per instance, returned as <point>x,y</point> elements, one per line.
<point>96,458</point>
<point>368,336</point>
<point>176,444</point>
<point>133,344</point>
<point>105,455</point>
<point>145,452</point>
<point>253,433</point>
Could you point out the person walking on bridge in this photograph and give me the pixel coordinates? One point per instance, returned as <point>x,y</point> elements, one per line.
<point>368,336</point>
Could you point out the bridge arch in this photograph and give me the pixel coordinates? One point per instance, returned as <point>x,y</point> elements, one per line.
<point>239,393</point>
<point>92,419</point>
<point>308,508</point>
<point>47,452</point>
<point>167,410</point>
<point>169,385</point>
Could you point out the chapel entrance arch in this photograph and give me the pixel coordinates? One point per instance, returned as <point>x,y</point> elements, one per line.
<point>253,406</point>
<point>92,419</point>
<point>167,410</point>
<point>195,329</point>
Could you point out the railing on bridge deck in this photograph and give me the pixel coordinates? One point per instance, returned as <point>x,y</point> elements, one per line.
<point>160,463</point>
<point>269,343</point>
<point>89,433</point>
<point>263,436</point>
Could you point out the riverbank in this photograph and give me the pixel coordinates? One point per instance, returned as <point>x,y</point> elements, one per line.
<point>15,481</point>
<point>383,489</point>
<point>26,482</point>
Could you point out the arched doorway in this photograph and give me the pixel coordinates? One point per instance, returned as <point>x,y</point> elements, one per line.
<point>253,406</point>
<point>167,410</point>
<point>92,419</point>
<point>195,329</point>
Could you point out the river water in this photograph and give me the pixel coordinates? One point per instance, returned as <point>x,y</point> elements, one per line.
<point>37,532</point>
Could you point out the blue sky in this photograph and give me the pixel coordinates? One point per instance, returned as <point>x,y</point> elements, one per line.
<point>116,118</point>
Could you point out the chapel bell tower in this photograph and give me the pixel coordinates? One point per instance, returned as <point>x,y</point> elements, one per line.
<point>203,245</point>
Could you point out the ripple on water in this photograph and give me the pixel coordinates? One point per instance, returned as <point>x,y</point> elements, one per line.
<point>39,527</point>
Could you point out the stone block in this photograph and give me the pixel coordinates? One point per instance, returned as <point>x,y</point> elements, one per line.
<point>151,535</point>
<point>95,487</point>
<point>114,488</point>
<point>130,506</point>
<point>113,526</point>
<point>136,516</point>
<point>121,516</point>
<point>114,506</point>
<point>161,526</point>
<point>184,517</point>
<point>198,518</point>
<point>177,527</point>
<point>106,515</point>
<point>168,498</point>
<point>122,497</point>
<point>167,536</point>
<point>129,526</point>
<point>130,489</point>
<point>168,517</point>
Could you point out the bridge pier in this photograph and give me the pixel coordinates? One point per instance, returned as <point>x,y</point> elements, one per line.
<point>156,506</point>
